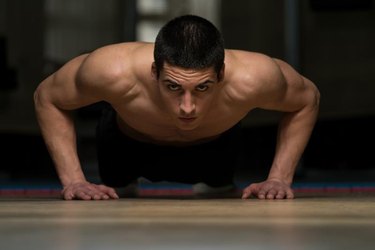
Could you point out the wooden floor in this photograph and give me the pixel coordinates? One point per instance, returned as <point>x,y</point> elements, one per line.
<point>307,222</point>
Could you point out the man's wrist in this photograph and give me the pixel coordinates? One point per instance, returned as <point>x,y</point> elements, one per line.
<point>72,181</point>
<point>284,180</point>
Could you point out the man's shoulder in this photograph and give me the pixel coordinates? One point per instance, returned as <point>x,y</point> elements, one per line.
<point>112,62</point>
<point>252,75</point>
<point>252,67</point>
<point>110,68</point>
<point>250,61</point>
<point>114,58</point>
<point>122,48</point>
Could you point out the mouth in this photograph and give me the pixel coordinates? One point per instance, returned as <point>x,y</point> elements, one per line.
<point>187,119</point>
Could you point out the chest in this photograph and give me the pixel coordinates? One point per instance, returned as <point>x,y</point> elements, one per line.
<point>144,116</point>
<point>146,122</point>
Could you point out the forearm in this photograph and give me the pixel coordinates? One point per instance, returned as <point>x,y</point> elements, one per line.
<point>293,135</point>
<point>58,132</point>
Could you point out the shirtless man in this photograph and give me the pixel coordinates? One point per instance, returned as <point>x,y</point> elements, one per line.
<point>174,108</point>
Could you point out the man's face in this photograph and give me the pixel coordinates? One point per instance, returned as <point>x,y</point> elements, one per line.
<point>187,94</point>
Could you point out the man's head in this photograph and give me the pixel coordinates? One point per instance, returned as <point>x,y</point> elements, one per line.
<point>189,42</point>
<point>189,64</point>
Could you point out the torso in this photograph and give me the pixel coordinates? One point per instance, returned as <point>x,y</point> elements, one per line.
<point>141,116</point>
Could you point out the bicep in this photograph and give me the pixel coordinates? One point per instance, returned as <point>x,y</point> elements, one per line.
<point>63,90</point>
<point>292,91</point>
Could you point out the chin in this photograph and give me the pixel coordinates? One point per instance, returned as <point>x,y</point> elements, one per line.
<point>187,126</point>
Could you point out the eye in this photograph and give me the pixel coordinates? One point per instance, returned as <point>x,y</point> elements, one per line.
<point>173,87</point>
<point>201,87</point>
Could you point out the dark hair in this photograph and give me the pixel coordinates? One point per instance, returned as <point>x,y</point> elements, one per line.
<point>190,42</point>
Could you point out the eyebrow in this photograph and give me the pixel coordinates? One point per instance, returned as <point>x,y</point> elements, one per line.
<point>205,82</point>
<point>173,82</point>
<point>170,81</point>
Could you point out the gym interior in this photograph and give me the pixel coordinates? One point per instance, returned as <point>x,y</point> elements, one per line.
<point>329,41</point>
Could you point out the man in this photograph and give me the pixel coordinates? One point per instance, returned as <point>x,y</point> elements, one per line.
<point>174,108</point>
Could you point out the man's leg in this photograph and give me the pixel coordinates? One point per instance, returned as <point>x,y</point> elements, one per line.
<point>114,153</point>
<point>221,164</point>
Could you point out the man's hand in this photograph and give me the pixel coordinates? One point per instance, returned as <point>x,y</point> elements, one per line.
<point>88,191</point>
<point>269,189</point>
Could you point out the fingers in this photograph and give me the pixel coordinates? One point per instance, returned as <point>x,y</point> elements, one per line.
<point>250,190</point>
<point>271,194</point>
<point>269,191</point>
<point>71,194</point>
<point>82,195</point>
<point>110,192</point>
<point>88,191</point>
<point>275,193</point>
<point>290,194</point>
<point>281,194</point>
<point>67,195</point>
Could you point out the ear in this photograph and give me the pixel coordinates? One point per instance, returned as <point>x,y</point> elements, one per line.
<point>153,71</point>
<point>221,73</point>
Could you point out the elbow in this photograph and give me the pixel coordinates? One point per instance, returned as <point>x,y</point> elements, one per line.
<point>314,94</point>
<point>40,97</point>
<point>316,99</point>
<point>313,106</point>
<point>37,97</point>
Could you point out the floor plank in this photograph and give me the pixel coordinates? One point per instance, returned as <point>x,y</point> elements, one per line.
<point>308,222</point>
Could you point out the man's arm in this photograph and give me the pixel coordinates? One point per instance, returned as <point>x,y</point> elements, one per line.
<point>298,97</point>
<point>54,100</point>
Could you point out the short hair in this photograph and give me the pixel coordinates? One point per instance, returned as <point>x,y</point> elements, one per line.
<point>190,42</point>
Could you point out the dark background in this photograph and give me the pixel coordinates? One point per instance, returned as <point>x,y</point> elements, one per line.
<point>331,42</point>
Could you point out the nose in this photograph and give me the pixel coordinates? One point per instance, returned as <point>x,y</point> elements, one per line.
<point>187,105</point>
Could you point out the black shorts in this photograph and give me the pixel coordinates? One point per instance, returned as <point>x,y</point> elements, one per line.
<point>122,159</point>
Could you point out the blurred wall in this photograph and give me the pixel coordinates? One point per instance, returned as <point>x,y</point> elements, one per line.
<point>253,25</point>
<point>23,26</point>
<point>338,53</point>
<point>2,17</point>
<point>337,48</point>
